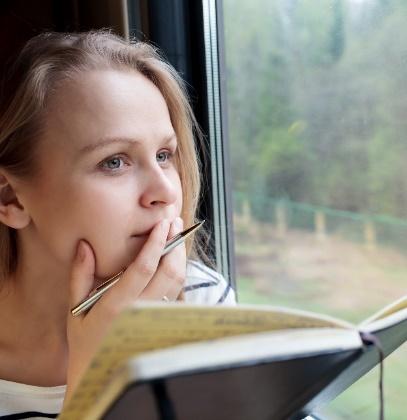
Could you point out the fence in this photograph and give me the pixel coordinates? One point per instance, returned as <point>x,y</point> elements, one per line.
<point>285,214</point>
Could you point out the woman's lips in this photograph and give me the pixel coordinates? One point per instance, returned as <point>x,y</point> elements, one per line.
<point>147,232</point>
<point>140,236</point>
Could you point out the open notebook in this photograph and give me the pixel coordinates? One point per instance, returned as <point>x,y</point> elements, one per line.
<point>178,361</point>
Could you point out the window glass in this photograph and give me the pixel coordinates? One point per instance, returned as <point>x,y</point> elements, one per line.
<point>317,111</point>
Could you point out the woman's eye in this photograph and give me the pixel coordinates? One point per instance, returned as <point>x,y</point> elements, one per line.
<point>163,156</point>
<point>112,163</point>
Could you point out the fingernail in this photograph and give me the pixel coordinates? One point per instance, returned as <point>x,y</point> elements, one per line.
<point>81,251</point>
<point>179,224</point>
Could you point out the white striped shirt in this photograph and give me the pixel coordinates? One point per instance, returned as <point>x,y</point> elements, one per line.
<point>206,286</point>
<point>20,401</point>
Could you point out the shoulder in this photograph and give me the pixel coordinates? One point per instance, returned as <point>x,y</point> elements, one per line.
<point>206,286</point>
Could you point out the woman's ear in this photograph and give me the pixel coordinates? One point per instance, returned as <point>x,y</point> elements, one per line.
<point>12,212</point>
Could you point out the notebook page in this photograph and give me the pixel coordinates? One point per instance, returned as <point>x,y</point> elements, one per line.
<point>146,327</point>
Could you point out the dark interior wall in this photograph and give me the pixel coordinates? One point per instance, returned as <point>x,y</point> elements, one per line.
<point>21,19</point>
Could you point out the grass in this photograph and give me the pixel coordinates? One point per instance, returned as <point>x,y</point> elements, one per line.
<point>298,300</point>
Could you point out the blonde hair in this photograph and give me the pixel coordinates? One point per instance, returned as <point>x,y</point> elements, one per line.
<point>50,58</point>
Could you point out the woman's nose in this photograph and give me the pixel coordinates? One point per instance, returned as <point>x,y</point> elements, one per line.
<point>159,189</point>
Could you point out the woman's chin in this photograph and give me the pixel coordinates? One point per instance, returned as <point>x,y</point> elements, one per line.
<point>119,263</point>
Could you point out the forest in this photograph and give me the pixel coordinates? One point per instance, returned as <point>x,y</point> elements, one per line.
<point>317,100</point>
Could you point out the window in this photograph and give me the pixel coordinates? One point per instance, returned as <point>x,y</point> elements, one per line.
<point>317,107</point>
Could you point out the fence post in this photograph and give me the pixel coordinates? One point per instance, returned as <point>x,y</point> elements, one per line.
<point>370,235</point>
<point>320,225</point>
<point>281,219</point>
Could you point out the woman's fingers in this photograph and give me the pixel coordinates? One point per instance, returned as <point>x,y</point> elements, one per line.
<point>170,276</point>
<point>141,271</point>
<point>176,284</point>
<point>82,274</point>
<point>149,276</point>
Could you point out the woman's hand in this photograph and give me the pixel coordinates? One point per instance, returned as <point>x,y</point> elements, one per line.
<point>148,277</point>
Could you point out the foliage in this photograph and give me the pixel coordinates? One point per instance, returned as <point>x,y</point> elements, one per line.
<point>317,101</point>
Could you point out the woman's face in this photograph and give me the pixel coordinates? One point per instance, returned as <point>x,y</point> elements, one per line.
<point>107,169</point>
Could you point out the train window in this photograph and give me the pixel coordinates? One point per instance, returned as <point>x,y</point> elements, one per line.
<point>317,105</point>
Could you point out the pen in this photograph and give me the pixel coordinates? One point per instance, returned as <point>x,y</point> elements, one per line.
<point>97,293</point>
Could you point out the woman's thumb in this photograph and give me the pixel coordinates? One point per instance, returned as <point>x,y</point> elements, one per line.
<point>82,274</point>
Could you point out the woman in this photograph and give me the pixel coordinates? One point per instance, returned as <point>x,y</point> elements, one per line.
<point>98,169</point>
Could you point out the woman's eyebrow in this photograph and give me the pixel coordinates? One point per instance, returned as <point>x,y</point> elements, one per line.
<point>109,140</point>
